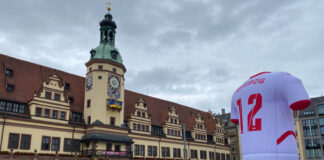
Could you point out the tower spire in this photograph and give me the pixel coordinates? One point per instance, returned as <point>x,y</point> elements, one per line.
<point>108,3</point>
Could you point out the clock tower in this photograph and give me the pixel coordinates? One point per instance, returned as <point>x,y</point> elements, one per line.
<point>104,88</point>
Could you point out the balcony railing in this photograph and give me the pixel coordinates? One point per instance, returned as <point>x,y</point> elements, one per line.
<point>96,152</point>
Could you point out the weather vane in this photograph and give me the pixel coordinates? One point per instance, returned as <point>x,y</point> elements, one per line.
<point>108,4</point>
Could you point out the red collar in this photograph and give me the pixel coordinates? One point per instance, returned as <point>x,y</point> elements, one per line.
<point>259,74</point>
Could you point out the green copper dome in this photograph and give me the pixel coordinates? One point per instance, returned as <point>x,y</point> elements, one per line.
<point>106,48</point>
<point>106,51</point>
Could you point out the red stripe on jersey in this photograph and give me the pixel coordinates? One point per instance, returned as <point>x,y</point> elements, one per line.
<point>259,74</point>
<point>285,135</point>
<point>236,121</point>
<point>300,105</point>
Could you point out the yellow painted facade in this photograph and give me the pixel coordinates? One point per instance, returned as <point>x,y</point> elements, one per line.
<point>102,130</point>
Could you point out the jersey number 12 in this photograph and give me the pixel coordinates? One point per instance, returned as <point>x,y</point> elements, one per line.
<point>258,104</point>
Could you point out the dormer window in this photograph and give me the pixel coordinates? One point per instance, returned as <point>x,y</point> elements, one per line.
<point>138,114</point>
<point>57,97</point>
<point>143,114</point>
<point>9,72</point>
<point>67,86</point>
<point>10,87</point>
<point>48,95</point>
<point>71,100</point>
<point>114,55</point>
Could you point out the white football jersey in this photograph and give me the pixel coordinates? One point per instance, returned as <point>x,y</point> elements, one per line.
<point>263,106</point>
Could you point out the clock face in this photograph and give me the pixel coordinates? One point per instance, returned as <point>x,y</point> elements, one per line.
<point>114,82</point>
<point>89,81</point>
<point>113,86</point>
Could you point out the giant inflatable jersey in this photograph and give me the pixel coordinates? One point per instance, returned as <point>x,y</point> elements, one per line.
<point>263,106</point>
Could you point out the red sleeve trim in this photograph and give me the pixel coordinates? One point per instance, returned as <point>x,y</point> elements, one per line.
<point>300,105</point>
<point>285,135</point>
<point>236,121</point>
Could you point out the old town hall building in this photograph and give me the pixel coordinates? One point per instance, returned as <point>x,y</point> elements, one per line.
<point>49,111</point>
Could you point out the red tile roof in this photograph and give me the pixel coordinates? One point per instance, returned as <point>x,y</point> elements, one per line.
<point>28,78</point>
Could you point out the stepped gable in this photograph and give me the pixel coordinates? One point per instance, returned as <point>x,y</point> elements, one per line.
<point>28,79</point>
<point>158,110</point>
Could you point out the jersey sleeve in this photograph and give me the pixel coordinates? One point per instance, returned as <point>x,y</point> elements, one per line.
<point>234,113</point>
<point>294,93</point>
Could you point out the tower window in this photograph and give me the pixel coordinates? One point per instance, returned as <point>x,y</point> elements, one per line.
<point>112,121</point>
<point>90,69</point>
<point>114,55</point>
<point>9,72</point>
<point>105,36</point>
<point>99,77</point>
<point>88,103</point>
<point>111,36</point>
<point>100,67</point>
<point>89,120</point>
<point>114,70</point>
<point>10,87</point>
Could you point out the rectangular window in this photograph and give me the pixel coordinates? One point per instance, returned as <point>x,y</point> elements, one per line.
<point>143,128</point>
<point>136,150</point>
<point>139,127</point>
<point>154,151</point>
<point>67,86</point>
<point>211,155</point>
<point>76,145</point>
<point>147,128</point>
<point>88,103</point>
<point>176,153</point>
<point>38,112</point>
<point>48,95</point>
<point>150,151</point>
<point>2,105</point>
<point>117,148</point>
<point>108,146</point>
<point>163,151</point>
<point>217,155</point>
<point>9,106</point>
<point>25,141</point>
<point>67,145</point>
<point>114,70</point>
<point>320,109</point>
<point>138,113</point>
<point>47,113</point>
<point>142,150</point>
<point>55,144</point>
<point>203,155</point>
<point>21,108</point>
<point>71,100</point>
<point>15,107</point>
<point>57,97</point>
<point>194,154</point>
<point>100,67</point>
<point>223,156</point>
<point>46,143</point>
<point>54,114</point>
<point>143,114</point>
<point>62,115</point>
<point>89,120</point>
<point>134,126</point>
<point>9,72</point>
<point>112,121</point>
<point>10,87</point>
<point>13,141</point>
<point>167,152</point>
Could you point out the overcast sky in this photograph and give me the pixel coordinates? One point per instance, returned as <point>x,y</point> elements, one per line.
<point>191,52</point>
